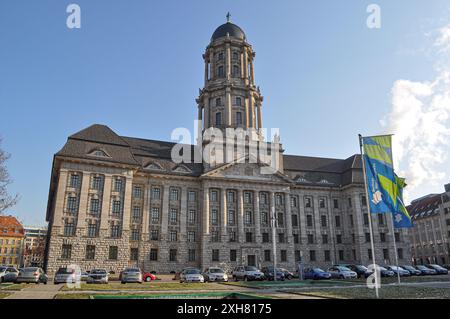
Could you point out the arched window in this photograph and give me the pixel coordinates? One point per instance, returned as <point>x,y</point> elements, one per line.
<point>220,72</point>
<point>235,71</point>
<point>218,119</point>
<point>235,56</point>
<point>238,101</point>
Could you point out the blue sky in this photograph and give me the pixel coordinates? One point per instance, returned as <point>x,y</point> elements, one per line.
<point>136,66</point>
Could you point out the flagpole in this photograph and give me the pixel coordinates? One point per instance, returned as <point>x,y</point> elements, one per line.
<point>274,233</point>
<point>372,246</point>
<point>395,249</point>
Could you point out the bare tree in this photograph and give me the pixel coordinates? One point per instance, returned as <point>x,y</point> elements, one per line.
<point>6,200</point>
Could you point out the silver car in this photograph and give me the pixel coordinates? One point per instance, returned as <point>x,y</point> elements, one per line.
<point>8,274</point>
<point>131,275</point>
<point>215,274</point>
<point>191,275</point>
<point>98,276</point>
<point>342,272</point>
<point>32,275</point>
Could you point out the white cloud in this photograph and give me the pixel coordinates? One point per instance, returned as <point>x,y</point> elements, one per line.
<point>419,119</point>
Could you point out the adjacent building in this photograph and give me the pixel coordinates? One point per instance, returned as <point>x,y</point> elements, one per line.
<point>118,201</point>
<point>34,246</point>
<point>11,241</point>
<point>430,236</point>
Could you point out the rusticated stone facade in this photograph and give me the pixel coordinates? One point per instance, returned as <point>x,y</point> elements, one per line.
<point>117,201</point>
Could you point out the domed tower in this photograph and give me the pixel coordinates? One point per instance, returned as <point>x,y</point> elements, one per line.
<point>229,97</point>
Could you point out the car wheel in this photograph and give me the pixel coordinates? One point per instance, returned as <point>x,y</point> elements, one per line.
<point>245,278</point>
<point>148,279</point>
<point>341,277</point>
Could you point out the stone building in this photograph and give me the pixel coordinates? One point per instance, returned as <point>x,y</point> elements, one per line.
<point>34,246</point>
<point>430,236</point>
<point>116,201</point>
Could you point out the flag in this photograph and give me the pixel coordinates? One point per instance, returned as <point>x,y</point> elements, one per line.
<point>401,215</point>
<point>381,183</point>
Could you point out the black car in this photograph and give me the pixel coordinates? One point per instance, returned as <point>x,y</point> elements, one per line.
<point>412,271</point>
<point>424,271</point>
<point>361,271</point>
<point>268,273</point>
<point>446,266</point>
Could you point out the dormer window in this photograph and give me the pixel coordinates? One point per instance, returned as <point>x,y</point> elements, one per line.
<point>154,167</point>
<point>181,169</point>
<point>99,153</point>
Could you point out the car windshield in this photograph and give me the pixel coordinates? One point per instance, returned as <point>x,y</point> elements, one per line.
<point>65,271</point>
<point>342,268</point>
<point>192,272</point>
<point>98,271</point>
<point>30,269</point>
<point>408,267</point>
<point>250,268</point>
<point>132,270</point>
<point>318,270</point>
<point>422,268</point>
<point>436,266</point>
<point>394,267</point>
<point>361,267</point>
<point>216,271</point>
<point>382,268</point>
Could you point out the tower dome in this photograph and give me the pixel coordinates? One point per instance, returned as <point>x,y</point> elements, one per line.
<point>228,28</point>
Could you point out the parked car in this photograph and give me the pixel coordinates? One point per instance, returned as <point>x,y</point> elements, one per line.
<point>287,274</point>
<point>247,273</point>
<point>131,274</point>
<point>342,272</point>
<point>269,273</point>
<point>8,274</point>
<point>147,276</point>
<point>439,270</point>
<point>398,271</point>
<point>412,271</point>
<point>315,274</point>
<point>385,272</point>
<point>98,276</point>
<point>424,271</point>
<point>178,273</point>
<point>191,275</point>
<point>361,271</point>
<point>65,275</point>
<point>215,274</point>
<point>446,266</point>
<point>84,275</point>
<point>32,275</point>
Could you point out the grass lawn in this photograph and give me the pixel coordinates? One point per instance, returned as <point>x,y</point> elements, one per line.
<point>387,292</point>
<point>3,295</point>
<point>72,296</point>
<point>153,286</point>
<point>171,295</point>
<point>11,286</point>
<point>390,280</point>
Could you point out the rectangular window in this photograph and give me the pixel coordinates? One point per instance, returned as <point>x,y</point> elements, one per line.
<point>322,203</point>
<point>215,236</point>
<point>233,255</point>
<point>397,237</point>
<point>327,255</point>
<point>136,214</point>
<point>117,207</point>
<point>155,215</point>
<point>174,194</point>
<point>323,220</point>
<point>230,197</point>
<point>309,220</point>
<point>231,217</point>
<point>191,236</point>
<point>310,239</point>
<point>366,219</point>
<point>173,255</point>
<point>335,203</point>
<point>248,218</point>
<point>341,255</point>
<point>173,215</point>
<point>134,254</point>
<point>265,237</point>
<point>324,239</point>
<point>191,216</point>
<point>215,255</point>
<point>95,206</point>
<point>280,220</point>
<point>69,229</point>
<point>293,201</point>
<point>363,201</point>
<point>72,204</point>
<point>113,252</point>
<point>135,234</point>
<point>214,196</point>
<point>238,118</point>
<point>92,229</point>
<point>338,239</point>
<point>382,237</point>
<point>296,238</point>
<point>400,253</point>
<point>232,236</point>
<point>337,220</point>
<point>367,237</point>
<point>90,252</point>
<point>66,252</point>
<point>248,237</point>
<point>153,254</point>
<point>191,255</point>
<point>308,202</point>
<point>97,183</point>
<point>247,197</point>
<point>192,196</point>
<point>263,198</point>
<point>156,193</point>
<point>214,217</point>
<point>115,231</point>
<point>278,200</point>
<point>173,236</point>
<point>267,255</point>
<point>218,119</point>
<point>380,219</point>
<point>386,254</point>
<point>154,234</point>
<point>294,219</point>
<point>281,237</point>
<point>264,218</point>
<point>137,192</point>
<point>74,180</point>
<point>350,217</point>
<point>118,185</point>
<point>312,255</point>
<point>283,255</point>
<point>349,202</point>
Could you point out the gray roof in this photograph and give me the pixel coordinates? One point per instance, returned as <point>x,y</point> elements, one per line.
<point>142,153</point>
<point>228,28</point>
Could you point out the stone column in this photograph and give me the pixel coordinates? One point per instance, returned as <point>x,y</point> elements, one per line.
<point>240,215</point>
<point>224,214</point>
<point>228,61</point>
<point>252,73</point>
<point>106,202</point>
<point>205,219</point>
<point>146,211</point>
<point>259,115</point>
<point>207,122</point>
<point>127,203</point>
<point>245,66</point>
<point>200,115</point>
<point>60,198</point>
<point>212,64</point>
<point>83,205</point>
<point>165,213</point>
<point>257,218</point>
<point>251,110</point>
<point>206,69</point>
<point>183,214</point>
<point>287,203</point>
<point>228,114</point>
<point>247,113</point>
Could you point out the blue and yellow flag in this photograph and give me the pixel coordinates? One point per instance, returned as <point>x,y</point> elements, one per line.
<point>381,183</point>
<point>402,219</point>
